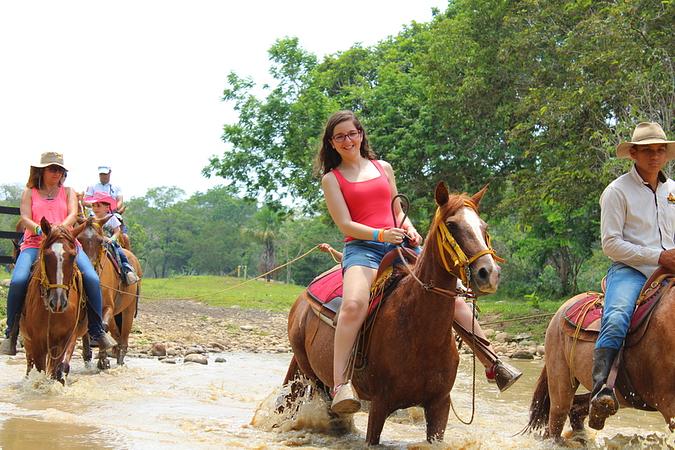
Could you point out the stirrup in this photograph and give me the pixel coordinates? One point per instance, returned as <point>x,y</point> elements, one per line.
<point>6,348</point>
<point>130,277</point>
<point>504,374</point>
<point>104,341</point>
<point>345,400</point>
<point>603,404</point>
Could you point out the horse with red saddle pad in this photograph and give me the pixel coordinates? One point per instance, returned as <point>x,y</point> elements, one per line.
<point>408,356</point>
<point>643,373</point>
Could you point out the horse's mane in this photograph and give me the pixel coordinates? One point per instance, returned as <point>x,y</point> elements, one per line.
<point>58,232</point>
<point>455,202</point>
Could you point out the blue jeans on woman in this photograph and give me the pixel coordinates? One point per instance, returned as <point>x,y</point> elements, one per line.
<point>623,288</point>
<point>19,285</point>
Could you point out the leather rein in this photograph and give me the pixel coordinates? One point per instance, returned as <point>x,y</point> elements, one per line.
<point>448,246</point>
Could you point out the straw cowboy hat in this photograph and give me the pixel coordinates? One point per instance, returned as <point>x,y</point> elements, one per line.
<point>50,159</point>
<point>646,133</point>
<point>102,197</point>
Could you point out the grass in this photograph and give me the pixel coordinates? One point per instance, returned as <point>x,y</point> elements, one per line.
<point>223,291</point>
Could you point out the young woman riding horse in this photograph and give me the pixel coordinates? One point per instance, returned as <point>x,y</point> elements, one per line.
<point>411,358</point>
<point>358,190</point>
<point>45,196</point>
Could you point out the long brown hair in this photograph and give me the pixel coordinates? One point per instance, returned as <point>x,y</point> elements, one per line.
<point>35,177</point>
<point>328,158</point>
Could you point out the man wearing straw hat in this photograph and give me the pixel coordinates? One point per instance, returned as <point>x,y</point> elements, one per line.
<point>637,222</point>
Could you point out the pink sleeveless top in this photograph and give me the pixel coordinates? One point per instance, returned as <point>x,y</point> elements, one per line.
<point>369,202</point>
<point>54,210</point>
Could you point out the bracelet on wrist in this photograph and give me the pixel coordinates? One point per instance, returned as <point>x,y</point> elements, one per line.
<point>375,233</point>
<point>37,230</point>
<point>380,235</point>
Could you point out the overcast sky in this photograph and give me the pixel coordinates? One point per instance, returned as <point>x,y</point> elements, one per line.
<point>137,85</point>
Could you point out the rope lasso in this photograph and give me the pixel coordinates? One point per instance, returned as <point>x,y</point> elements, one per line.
<point>196,297</point>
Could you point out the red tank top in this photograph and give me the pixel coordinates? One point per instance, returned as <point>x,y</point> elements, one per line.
<point>369,202</point>
<point>54,210</point>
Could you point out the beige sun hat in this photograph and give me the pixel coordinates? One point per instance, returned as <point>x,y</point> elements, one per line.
<point>50,159</point>
<point>646,133</point>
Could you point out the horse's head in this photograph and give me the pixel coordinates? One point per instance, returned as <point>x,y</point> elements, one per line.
<point>462,240</point>
<point>57,264</point>
<point>91,237</point>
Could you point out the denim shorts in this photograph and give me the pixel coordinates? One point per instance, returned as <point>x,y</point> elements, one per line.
<point>366,253</point>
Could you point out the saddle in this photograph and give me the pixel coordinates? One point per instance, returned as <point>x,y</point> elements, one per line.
<point>583,317</point>
<point>114,258</point>
<point>324,293</point>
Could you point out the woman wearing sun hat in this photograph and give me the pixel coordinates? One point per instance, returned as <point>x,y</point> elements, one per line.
<point>637,222</point>
<point>45,196</point>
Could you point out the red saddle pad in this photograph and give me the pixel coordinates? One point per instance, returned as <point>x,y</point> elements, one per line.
<point>327,286</point>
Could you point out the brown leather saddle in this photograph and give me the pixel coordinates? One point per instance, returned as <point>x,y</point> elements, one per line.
<point>582,319</point>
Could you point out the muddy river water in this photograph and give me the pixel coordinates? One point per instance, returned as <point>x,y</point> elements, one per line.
<point>150,404</point>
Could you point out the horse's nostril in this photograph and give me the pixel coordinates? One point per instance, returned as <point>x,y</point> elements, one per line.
<point>483,273</point>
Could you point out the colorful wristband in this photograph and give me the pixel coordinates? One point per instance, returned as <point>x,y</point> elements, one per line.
<point>380,235</point>
<point>38,230</point>
<point>375,233</point>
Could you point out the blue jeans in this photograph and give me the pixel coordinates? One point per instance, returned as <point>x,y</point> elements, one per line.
<point>623,288</point>
<point>19,285</point>
<point>120,253</point>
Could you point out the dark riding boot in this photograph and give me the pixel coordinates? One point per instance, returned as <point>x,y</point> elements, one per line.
<point>603,401</point>
<point>8,346</point>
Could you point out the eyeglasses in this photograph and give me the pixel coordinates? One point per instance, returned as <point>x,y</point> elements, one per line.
<point>55,169</point>
<point>352,135</point>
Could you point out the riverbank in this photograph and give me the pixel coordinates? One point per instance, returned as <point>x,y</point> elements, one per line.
<point>174,328</point>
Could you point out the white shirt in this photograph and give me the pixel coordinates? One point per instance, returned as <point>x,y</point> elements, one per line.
<point>111,189</point>
<point>636,223</point>
<point>110,225</point>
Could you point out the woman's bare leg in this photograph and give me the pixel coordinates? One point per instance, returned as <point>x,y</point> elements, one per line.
<point>356,291</point>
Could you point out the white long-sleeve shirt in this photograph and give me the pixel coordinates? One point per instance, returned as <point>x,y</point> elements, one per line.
<point>636,223</point>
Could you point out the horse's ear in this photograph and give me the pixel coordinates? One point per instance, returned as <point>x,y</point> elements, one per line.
<point>442,195</point>
<point>46,226</point>
<point>479,195</point>
<point>78,229</point>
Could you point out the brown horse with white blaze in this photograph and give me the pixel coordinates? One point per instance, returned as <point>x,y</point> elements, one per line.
<point>411,358</point>
<point>119,299</point>
<point>54,313</point>
<point>648,364</point>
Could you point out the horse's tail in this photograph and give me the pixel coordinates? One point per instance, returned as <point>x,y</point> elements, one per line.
<point>540,406</point>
